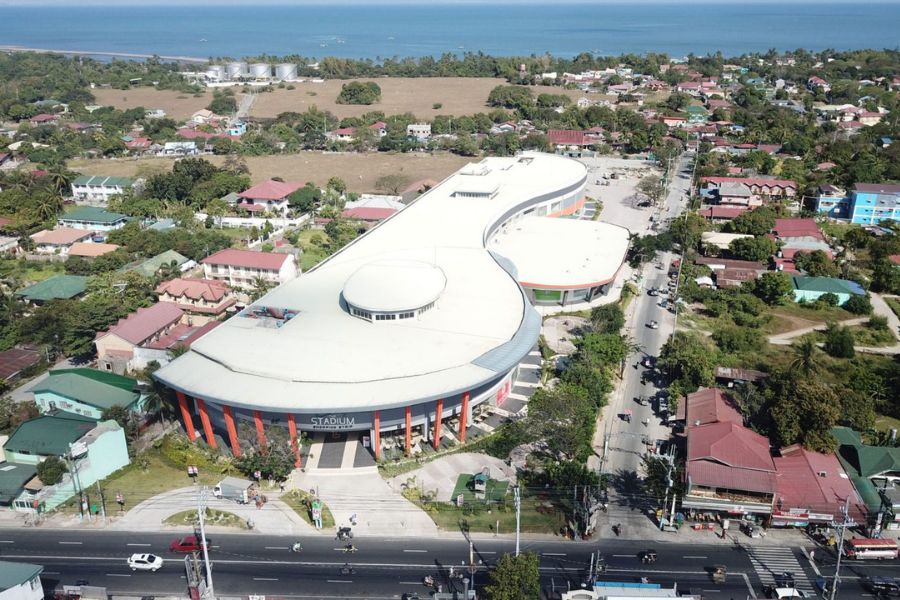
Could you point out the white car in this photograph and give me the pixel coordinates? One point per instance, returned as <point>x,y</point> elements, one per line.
<point>144,562</point>
<point>653,324</point>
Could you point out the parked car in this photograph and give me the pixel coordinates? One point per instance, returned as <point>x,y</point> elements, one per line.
<point>145,562</point>
<point>653,292</point>
<point>653,324</point>
<point>883,586</point>
<point>787,593</point>
<point>188,543</point>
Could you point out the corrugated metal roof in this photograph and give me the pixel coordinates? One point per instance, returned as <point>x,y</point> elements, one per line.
<point>710,474</point>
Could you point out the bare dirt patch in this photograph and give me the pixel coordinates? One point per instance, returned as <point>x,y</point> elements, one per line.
<point>360,171</point>
<point>178,105</point>
<point>416,95</point>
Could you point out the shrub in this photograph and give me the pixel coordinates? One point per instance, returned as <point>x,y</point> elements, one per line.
<point>858,305</point>
<point>828,299</point>
<point>51,470</point>
<point>437,106</point>
<point>839,341</point>
<point>359,92</point>
<point>878,323</point>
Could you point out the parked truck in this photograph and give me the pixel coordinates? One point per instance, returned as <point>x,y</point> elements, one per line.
<point>233,488</point>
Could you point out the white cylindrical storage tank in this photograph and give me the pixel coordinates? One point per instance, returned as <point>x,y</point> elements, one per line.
<point>236,70</point>
<point>260,70</point>
<point>216,72</point>
<point>286,71</point>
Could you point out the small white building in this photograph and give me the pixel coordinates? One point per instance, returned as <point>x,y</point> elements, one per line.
<point>59,241</point>
<point>241,268</point>
<point>420,131</point>
<point>20,581</point>
<point>180,149</point>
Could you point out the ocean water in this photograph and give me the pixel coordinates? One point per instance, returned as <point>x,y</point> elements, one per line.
<point>373,31</point>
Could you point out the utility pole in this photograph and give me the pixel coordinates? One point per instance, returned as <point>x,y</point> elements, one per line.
<point>846,522</point>
<point>102,502</point>
<point>518,501</point>
<point>201,510</point>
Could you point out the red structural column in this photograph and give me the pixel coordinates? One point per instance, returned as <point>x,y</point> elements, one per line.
<point>376,441</point>
<point>207,426</point>
<point>463,416</point>
<point>408,429</point>
<point>295,445</point>
<point>260,432</point>
<point>232,431</point>
<point>438,410</point>
<point>186,416</point>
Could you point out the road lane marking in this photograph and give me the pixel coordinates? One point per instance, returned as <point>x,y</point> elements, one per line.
<point>270,547</point>
<point>484,552</point>
<point>7,542</point>
<point>265,579</point>
<point>401,583</point>
<point>693,557</point>
<point>623,555</point>
<point>118,575</point>
<point>50,572</point>
<point>338,581</point>
<point>138,544</point>
<point>71,543</point>
<point>415,550</point>
<point>553,554</point>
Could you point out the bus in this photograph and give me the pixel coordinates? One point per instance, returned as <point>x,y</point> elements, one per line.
<point>865,548</point>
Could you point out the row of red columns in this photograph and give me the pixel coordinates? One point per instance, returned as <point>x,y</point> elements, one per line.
<point>292,426</point>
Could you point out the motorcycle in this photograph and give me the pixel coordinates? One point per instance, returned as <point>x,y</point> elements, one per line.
<point>349,548</point>
<point>296,547</point>
<point>344,533</point>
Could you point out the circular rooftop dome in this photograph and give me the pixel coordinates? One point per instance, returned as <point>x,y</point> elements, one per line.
<point>391,286</point>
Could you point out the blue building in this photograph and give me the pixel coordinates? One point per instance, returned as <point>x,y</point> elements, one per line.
<point>871,203</point>
<point>833,202</point>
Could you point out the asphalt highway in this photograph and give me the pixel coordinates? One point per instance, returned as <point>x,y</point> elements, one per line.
<point>245,564</point>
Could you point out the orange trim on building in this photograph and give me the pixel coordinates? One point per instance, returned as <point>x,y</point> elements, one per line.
<point>376,441</point>
<point>260,431</point>
<point>438,415</point>
<point>408,430</point>
<point>463,416</point>
<point>207,426</point>
<point>570,210</point>
<point>295,446</point>
<point>186,416</point>
<point>232,431</point>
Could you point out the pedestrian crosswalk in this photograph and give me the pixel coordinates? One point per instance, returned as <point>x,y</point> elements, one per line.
<point>771,561</point>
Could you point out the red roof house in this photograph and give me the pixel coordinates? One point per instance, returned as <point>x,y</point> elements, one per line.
<point>708,405</point>
<point>116,345</point>
<point>797,228</point>
<point>270,195</point>
<point>567,137</point>
<point>241,268</point>
<point>201,299</point>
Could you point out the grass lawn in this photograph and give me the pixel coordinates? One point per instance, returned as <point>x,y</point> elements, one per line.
<point>885,423</point>
<point>218,518</point>
<point>836,230</point>
<point>866,336</point>
<point>495,490</point>
<point>312,241</point>
<point>300,500</point>
<point>894,304</point>
<point>537,517</point>
<point>794,316</point>
<point>26,272</point>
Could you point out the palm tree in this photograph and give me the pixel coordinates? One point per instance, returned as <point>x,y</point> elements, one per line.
<point>59,180</point>
<point>806,356</point>
<point>48,205</point>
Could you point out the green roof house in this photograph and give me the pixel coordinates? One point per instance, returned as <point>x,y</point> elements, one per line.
<point>87,392</point>
<point>91,218</point>
<point>13,477</point>
<point>97,189</point>
<point>92,451</point>
<point>874,471</point>
<point>21,581</point>
<point>58,287</point>
<point>151,266</point>
<point>697,114</point>
<point>810,289</point>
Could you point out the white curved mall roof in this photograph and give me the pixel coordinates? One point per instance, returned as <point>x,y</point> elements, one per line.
<point>325,359</point>
<point>562,253</point>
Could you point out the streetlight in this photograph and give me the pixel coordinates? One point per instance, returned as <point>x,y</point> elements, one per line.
<point>466,588</point>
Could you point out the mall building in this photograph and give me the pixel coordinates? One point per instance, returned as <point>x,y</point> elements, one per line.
<point>409,327</point>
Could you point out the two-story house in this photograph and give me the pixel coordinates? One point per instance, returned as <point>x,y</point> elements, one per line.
<point>97,189</point>
<point>201,300</point>
<point>20,581</point>
<point>90,218</point>
<point>242,268</point>
<point>115,346</point>
<point>270,196</point>
<point>871,203</point>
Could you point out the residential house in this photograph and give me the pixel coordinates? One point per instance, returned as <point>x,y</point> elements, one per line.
<point>44,119</point>
<point>242,268</point>
<point>732,193</point>
<point>697,114</point>
<point>762,188</point>
<point>832,200</point>
<point>730,273</point>
<point>13,479</point>
<point>9,244</point>
<point>729,468</point>
<point>810,289</point>
<point>236,129</point>
<point>714,242</point>
<point>201,300</point>
<point>169,258</point>
<point>812,487</point>
<point>98,189</point>
<point>735,375</point>
<point>87,392</point>
<point>721,214</point>
<point>154,113</point>
<point>270,196</point>
<point>186,148</point>
<point>673,120</point>
<point>567,137</point>
<point>93,450</point>
<point>372,208</point>
<point>380,128</point>
<point>93,219</point>
<point>799,235</point>
<point>871,203</point>
<point>91,251</point>
<point>20,581</point>
<point>342,134</point>
<point>419,131</point>
<point>58,287</point>
<point>875,473</point>
<point>817,82</point>
<point>60,240</point>
<point>161,349</point>
<point>204,116</point>
<point>115,346</point>
<point>137,144</point>
<point>15,361</point>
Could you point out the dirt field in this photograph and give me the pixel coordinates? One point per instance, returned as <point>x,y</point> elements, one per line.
<point>360,171</point>
<point>458,96</point>
<point>178,105</point>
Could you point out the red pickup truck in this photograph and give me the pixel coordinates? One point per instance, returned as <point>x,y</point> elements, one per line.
<point>188,543</point>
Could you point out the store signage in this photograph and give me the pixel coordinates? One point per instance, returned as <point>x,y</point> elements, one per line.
<point>332,422</point>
